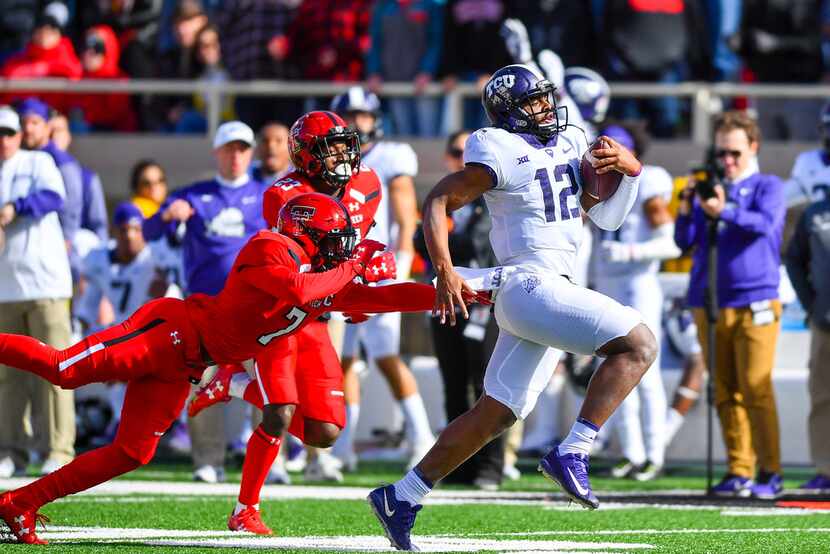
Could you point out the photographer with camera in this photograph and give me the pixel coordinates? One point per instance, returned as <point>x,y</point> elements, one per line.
<point>744,211</point>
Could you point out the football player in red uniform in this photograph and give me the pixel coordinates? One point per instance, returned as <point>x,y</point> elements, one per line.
<point>279,282</point>
<point>299,386</point>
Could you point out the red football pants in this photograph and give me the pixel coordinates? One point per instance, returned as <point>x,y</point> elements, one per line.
<point>156,351</point>
<point>304,370</point>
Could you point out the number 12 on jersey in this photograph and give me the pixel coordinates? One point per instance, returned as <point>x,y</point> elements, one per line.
<point>543,176</point>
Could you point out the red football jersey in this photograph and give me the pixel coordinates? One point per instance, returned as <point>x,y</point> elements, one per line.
<point>361,196</point>
<point>269,294</point>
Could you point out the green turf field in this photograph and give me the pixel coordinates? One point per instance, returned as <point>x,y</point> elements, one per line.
<point>135,515</point>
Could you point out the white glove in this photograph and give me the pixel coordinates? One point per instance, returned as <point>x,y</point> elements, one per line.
<point>514,33</point>
<point>616,252</point>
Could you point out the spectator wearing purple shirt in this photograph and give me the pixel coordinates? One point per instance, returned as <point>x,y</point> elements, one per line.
<point>749,209</point>
<point>219,216</point>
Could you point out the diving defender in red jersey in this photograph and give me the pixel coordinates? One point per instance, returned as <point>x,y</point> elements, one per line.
<point>299,386</point>
<point>278,283</point>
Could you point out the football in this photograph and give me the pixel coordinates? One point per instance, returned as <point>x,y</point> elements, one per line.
<point>598,185</point>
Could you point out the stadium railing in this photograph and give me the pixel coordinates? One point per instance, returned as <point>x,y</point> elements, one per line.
<point>706,98</point>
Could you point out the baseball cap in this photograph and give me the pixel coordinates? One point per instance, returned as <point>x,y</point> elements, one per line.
<point>233,131</point>
<point>127,212</point>
<point>55,14</point>
<point>9,119</point>
<point>33,106</point>
<point>620,134</point>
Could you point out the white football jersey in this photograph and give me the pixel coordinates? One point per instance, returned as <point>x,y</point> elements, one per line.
<point>127,287</point>
<point>534,205</point>
<point>654,181</point>
<point>810,178</point>
<point>389,160</point>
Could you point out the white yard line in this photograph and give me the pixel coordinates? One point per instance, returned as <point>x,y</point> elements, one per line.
<point>372,543</point>
<point>610,532</point>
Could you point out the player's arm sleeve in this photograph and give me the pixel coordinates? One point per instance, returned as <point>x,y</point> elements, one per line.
<point>403,297</point>
<point>70,216</point>
<point>86,309</point>
<point>611,212</point>
<point>282,279</point>
<point>48,192</point>
<point>480,151</point>
<point>97,208</point>
<point>767,216</point>
<point>797,261</point>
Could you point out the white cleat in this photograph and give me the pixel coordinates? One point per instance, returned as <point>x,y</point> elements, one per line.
<point>278,475</point>
<point>324,468</point>
<point>209,474</point>
<point>51,465</point>
<point>511,472</point>
<point>6,468</point>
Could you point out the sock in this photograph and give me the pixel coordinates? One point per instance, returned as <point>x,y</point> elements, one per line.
<point>87,470</point>
<point>674,420</point>
<point>241,507</point>
<point>31,355</point>
<point>239,383</point>
<point>252,394</point>
<point>344,445</point>
<point>261,453</point>
<point>416,418</point>
<point>580,439</point>
<point>413,487</point>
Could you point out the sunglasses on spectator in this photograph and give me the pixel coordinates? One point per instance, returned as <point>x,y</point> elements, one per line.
<point>95,44</point>
<point>724,153</point>
<point>455,152</point>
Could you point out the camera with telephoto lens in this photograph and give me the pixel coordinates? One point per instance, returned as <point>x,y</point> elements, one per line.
<point>707,176</point>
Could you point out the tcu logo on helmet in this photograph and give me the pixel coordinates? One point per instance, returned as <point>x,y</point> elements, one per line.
<point>302,213</point>
<point>501,84</point>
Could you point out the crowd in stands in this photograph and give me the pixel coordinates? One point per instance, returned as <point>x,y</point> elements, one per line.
<point>417,41</point>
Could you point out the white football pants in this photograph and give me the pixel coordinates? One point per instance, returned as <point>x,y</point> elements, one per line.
<point>540,315</point>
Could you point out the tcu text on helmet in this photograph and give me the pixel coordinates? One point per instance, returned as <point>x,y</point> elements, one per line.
<point>502,82</point>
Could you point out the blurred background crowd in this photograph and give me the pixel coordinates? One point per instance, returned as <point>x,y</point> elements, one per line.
<point>120,254</point>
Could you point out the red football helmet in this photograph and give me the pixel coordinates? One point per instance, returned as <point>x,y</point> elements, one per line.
<point>319,135</point>
<point>321,225</point>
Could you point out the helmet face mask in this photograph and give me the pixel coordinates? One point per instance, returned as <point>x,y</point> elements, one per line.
<point>315,142</point>
<point>339,157</point>
<point>519,100</point>
<point>321,225</point>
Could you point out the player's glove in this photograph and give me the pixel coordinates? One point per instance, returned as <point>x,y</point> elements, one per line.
<point>615,251</point>
<point>380,268</point>
<point>364,251</point>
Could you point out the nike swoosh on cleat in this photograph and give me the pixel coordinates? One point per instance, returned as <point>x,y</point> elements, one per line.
<point>582,491</point>
<point>389,513</point>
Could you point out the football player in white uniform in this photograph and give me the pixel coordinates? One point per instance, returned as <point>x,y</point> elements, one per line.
<point>627,262</point>
<point>395,220</point>
<point>527,168</point>
<point>810,177</point>
<point>128,275</point>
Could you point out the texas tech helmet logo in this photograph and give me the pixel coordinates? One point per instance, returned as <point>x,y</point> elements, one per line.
<point>302,213</point>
